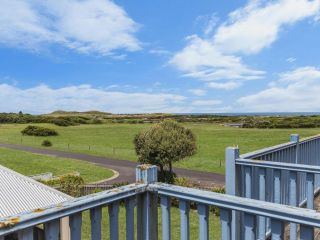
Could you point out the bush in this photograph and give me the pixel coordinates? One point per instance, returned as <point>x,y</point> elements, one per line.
<point>62,122</point>
<point>46,143</point>
<point>71,185</point>
<point>182,181</point>
<point>39,131</point>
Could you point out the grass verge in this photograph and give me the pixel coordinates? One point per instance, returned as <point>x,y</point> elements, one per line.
<point>30,164</point>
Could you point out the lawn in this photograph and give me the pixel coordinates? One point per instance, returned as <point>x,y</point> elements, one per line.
<point>214,225</point>
<point>116,140</point>
<point>30,164</point>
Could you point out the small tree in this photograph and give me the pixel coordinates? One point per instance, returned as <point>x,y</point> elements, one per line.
<point>164,143</point>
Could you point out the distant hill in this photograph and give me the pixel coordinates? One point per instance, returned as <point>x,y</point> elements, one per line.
<point>61,113</point>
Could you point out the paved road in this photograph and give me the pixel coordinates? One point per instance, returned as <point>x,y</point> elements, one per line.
<point>125,168</point>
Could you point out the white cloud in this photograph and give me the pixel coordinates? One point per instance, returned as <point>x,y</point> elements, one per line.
<point>291,59</point>
<point>95,26</point>
<point>225,86</point>
<point>297,90</point>
<point>202,60</point>
<point>206,103</point>
<point>248,30</point>
<point>198,92</point>
<point>43,99</point>
<point>160,52</point>
<point>256,26</point>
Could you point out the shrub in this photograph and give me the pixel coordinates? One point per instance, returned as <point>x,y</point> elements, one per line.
<point>71,185</point>
<point>46,143</point>
<point>182,181</point>
<point>39,131</point>
<point>62,122</point>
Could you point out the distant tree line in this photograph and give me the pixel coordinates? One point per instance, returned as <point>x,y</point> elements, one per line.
<point>59,121</point>
<point>93,117</point>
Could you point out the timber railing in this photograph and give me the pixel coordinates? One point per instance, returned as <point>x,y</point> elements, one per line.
<point>284,174</point>
<point>141,204</point>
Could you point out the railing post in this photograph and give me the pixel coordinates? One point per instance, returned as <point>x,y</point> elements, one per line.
<point>249,219</point>
<point>307,232</point>
<point>130,204</point>
<point>165,211</point>
<point>262,197</point>
<point>277,186</point>
<point>232,153</point>
<point>95,217</point>
<point>310,190</point>
<point>293,201</point>
<point>147,204</point>
<point>225,219</point>
<point>75,223</point>
<point>114,220</point>
<point>25,234</point>
<point>295,138</point>
<point>52,230</point>
<point>184,207</point>
<point>276,229</point>
<point>203,213</point>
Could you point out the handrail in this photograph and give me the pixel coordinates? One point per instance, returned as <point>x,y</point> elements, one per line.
<point>256,207</point>
<point>277,147</point>
<point>38,216</point>
<point>311,138</point>
<point>249,206</point>
<point>279,165</point>
<point>268,150</point>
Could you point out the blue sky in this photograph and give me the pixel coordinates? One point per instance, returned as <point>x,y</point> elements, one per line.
<point>160,56</point>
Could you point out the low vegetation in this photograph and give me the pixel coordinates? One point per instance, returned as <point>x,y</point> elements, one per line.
<point>39,131</point>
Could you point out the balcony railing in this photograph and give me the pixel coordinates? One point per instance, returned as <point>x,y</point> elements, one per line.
<point>285,174</point>
<point>241,216</point>
<point>143,196</point>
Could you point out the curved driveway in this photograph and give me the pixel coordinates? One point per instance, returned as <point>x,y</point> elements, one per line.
<point>125,168</point>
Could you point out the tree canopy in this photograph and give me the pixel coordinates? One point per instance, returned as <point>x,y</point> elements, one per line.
<point>164,143</point>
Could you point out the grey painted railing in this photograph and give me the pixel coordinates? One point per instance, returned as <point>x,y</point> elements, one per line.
<point>143,195</point>
<point>285,174</point>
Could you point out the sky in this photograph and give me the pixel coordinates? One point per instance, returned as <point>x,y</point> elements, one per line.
<point>172,56</point>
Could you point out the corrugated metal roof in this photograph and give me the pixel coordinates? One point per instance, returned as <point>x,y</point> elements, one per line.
<point>19,193</point>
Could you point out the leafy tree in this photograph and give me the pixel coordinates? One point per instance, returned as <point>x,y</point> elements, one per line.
<point>164,143</point>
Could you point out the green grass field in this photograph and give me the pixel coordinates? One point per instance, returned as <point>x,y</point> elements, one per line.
<point>30,164</point>
<point>116,140</point>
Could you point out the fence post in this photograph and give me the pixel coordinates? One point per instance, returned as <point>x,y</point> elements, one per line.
<point>295,138</point>
<point>232,153</point>
<point>147,204</point>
